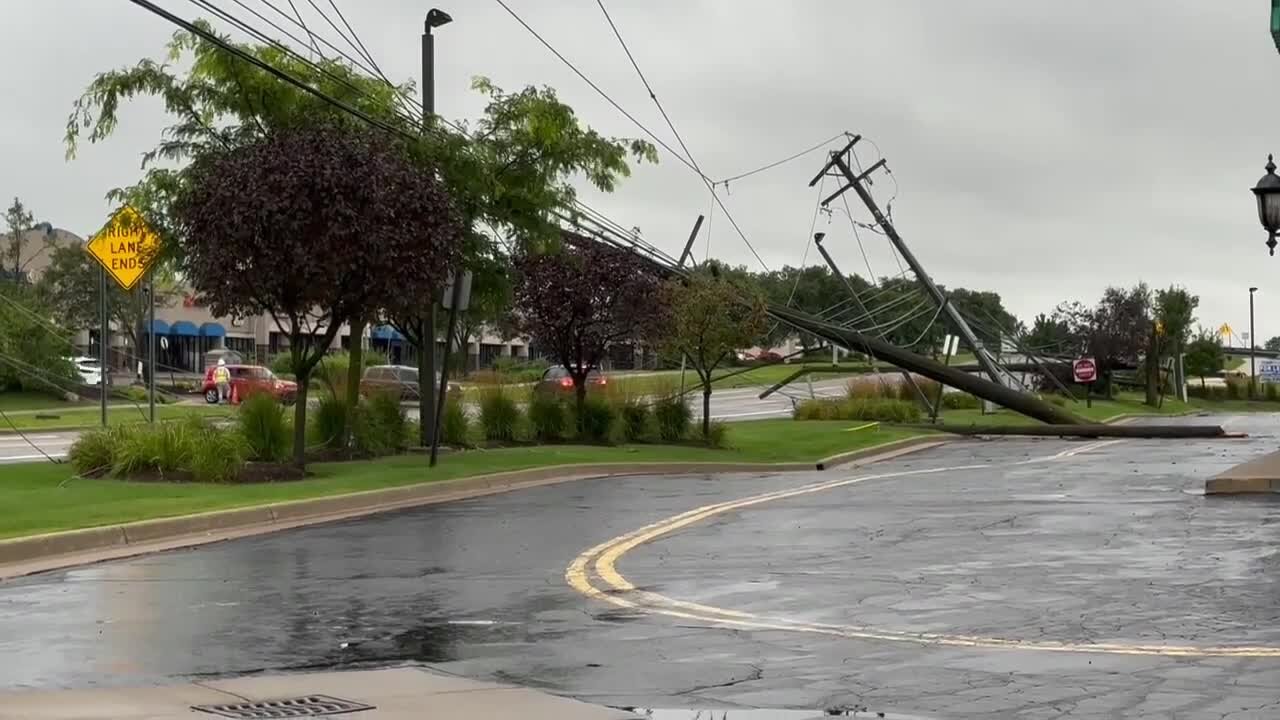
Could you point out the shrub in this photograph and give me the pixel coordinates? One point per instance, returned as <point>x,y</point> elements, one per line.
<point>717,435</point>
<point>862,388</point>
<point>598,417</point>
<point>264,428</point>
<point>92,453</point>
<point>162,448</point>
<point>1272,392</point>
<point>672,417</point>
<point>929,387</point>
<point>870,409</point>
<point>547,417</point>
<point>217,455</point>
<point>379,425</point>
<point>965,401</point>
<point>499,414</point>
<point>455,425</point>
<point>635,421</point>
<point>1053,399</point>
<point>331,417</point>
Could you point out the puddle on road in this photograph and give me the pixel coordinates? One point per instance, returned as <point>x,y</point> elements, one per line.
<point>745,714</point>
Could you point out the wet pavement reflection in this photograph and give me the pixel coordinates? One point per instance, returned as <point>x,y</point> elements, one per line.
<point>741,714</point>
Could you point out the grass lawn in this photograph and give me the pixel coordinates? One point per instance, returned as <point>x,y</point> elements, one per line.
<point>44,498</point>
<point>25,400</point>
<point>90,417</point>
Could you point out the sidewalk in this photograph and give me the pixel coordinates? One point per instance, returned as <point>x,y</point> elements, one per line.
<point>392,694</point>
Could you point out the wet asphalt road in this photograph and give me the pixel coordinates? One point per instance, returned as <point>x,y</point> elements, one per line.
<point>1109,545</point>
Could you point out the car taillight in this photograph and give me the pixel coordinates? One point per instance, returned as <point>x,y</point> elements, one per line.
<point>600,381</point>
<point>566,382</point>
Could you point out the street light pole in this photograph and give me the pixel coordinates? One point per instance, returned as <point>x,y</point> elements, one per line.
<point>1253,342</point>
<point>427,359</point>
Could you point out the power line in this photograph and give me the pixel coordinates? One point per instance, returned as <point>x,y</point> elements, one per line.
<point>784,160</point>
<point>652,95</point>
<point>600,92</point>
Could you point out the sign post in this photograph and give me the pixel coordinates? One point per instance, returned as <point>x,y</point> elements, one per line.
<point>1085,371</point>
<point>125,248</point>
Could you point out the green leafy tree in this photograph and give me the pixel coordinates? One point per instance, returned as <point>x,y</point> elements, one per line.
<point>297,246</point>
<point>33,348</point>
<point>490,305</point>
<point>1173,313</point>
<point>510,174</point>
<point>1049,334</point>
<point>709,319</point>
<point>1114,331</point>
<point>1273,344</point>
<point>1204,356</point>
<point>69,288</point>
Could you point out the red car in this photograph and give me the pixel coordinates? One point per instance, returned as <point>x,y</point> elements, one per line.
<point>248,379</point>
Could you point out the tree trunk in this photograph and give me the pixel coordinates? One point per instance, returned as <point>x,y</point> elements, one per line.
<point>706,411</point>
<point>300,421</point>
<point>1153,369</point>
<point>580,393</point>
<point>355,352</point>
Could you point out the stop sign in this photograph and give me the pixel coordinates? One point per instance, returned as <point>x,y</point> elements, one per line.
<point>1084,370</point>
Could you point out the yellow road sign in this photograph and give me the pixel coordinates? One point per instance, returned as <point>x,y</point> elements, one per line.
<point>125,247</point>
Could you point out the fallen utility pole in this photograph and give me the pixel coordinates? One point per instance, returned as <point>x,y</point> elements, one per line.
<point>1095,430</point>
<point>1020,402</point>
<point>862,308</point>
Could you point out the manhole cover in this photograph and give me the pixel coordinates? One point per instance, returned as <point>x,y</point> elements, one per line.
<point>296,707</point>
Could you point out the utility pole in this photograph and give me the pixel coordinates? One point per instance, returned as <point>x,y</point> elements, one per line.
<point>1253,356</point>
<point>105,374</point>
<point>151,347</point>
<point>427,358</point>
<point>855,182</point>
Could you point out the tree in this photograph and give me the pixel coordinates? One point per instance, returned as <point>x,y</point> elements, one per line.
<point>490,303</point>
<point>510,175</point>
<point>1273,344</point>
<point>69,288</point>
<point>1049,334</point>
<point>1114,331</point>
<point>709,319</point>
<point>339,220</point>
<point>1171,324</point>
<point>578,301</point>
<point>1205,356</point>
<point>33,349</point>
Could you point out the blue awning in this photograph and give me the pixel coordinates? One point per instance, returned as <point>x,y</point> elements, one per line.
<point>385,332</point>
<point>159,327</point>
<point>212,329</point>
<point>182,327</point>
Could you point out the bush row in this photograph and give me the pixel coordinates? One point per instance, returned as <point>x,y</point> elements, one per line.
<point>262,432</point>
<point>876,409</point>
<point>549,419</point>
<point>1234,389</point>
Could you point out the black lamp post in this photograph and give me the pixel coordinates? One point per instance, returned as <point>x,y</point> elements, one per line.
<point>1268,193</point>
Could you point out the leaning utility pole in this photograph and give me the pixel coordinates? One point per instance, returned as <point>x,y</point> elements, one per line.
<point>856,183</point>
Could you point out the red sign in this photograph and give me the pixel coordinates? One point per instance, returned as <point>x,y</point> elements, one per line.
<point>1084,370</point>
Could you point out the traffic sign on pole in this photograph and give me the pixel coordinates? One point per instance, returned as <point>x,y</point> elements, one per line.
<point>1084,370</point>
<point>125,247</point>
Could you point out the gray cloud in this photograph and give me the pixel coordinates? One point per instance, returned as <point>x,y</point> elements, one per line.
<point>1042,149</point>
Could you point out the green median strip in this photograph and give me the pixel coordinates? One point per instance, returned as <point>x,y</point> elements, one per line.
<point>83,418</point>
<point>44,498</point>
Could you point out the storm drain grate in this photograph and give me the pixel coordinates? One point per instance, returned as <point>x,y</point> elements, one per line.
<point>296,707</point>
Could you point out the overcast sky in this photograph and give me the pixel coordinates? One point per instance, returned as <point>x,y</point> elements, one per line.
<point>1042,149</point>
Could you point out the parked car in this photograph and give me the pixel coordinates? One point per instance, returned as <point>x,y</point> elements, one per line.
<point>400,380</point>
<point>89,369</point>
<point>248,379</point>
<point>557,381</point>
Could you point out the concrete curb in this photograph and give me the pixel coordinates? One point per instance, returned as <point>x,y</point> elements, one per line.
<point>40,553</point>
